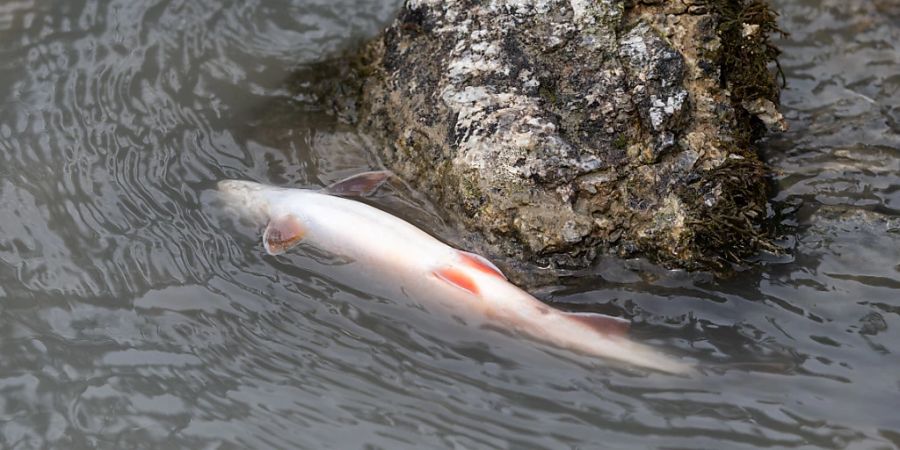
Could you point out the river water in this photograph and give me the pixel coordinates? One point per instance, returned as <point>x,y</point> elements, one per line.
<point>134,314</point>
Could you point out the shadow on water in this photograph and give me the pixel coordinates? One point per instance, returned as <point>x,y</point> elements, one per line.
<point>134,314</point>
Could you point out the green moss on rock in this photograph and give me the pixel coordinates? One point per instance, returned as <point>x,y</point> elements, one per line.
<point>746,28</point>
<point>727,205</point>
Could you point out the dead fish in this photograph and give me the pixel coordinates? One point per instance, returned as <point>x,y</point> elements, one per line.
<point>407,256</point>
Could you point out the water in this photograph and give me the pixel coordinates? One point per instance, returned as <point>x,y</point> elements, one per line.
<point>133,314</point>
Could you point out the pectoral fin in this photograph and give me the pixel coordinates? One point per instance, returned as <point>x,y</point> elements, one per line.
<point>362,184</point>
<point>601,322</point>
<point>282,233</point>
<point>457,278</point>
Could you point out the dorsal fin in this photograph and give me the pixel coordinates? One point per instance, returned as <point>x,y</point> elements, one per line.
<point>601,322</point>
<point>457,278</point>
<point>362,184</point>
<point>481,263</point>
<point>282,233</point>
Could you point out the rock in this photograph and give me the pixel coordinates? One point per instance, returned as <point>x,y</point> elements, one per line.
<point>561,129</point>
<point>767,112</point>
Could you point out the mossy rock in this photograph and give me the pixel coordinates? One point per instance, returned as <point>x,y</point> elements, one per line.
<point>558,130</point>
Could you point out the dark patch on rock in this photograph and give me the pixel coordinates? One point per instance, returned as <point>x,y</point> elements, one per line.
<point>657,73</point>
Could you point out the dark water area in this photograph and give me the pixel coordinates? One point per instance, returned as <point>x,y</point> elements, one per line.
<point>135,314</point>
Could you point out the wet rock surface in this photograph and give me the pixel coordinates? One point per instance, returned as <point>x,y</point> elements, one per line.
<point>562,129</point>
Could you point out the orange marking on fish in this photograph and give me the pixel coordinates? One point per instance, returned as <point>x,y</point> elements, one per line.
<point>480,264</point>
<point>457,278</point>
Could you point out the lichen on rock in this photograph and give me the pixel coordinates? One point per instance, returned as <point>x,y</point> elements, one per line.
<point>562,128</point>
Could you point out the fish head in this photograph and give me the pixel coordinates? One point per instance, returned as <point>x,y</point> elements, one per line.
<point>280,209</point>
<point>249,199</point>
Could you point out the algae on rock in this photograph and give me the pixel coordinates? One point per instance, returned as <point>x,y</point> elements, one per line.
<point>562,128</point>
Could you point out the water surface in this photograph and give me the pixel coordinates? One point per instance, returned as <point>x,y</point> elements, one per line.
<point>134,314</point>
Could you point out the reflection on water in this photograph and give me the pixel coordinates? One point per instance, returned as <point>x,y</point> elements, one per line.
<point>132,313</point>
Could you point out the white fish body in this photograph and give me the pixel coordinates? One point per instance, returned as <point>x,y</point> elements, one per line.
<point>409,257</point>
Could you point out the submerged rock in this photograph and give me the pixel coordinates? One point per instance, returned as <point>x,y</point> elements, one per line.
<point>850,243</point>
<point>559,129</point>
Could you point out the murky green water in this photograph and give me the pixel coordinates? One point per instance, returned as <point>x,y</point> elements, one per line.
<point>133,315</point>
